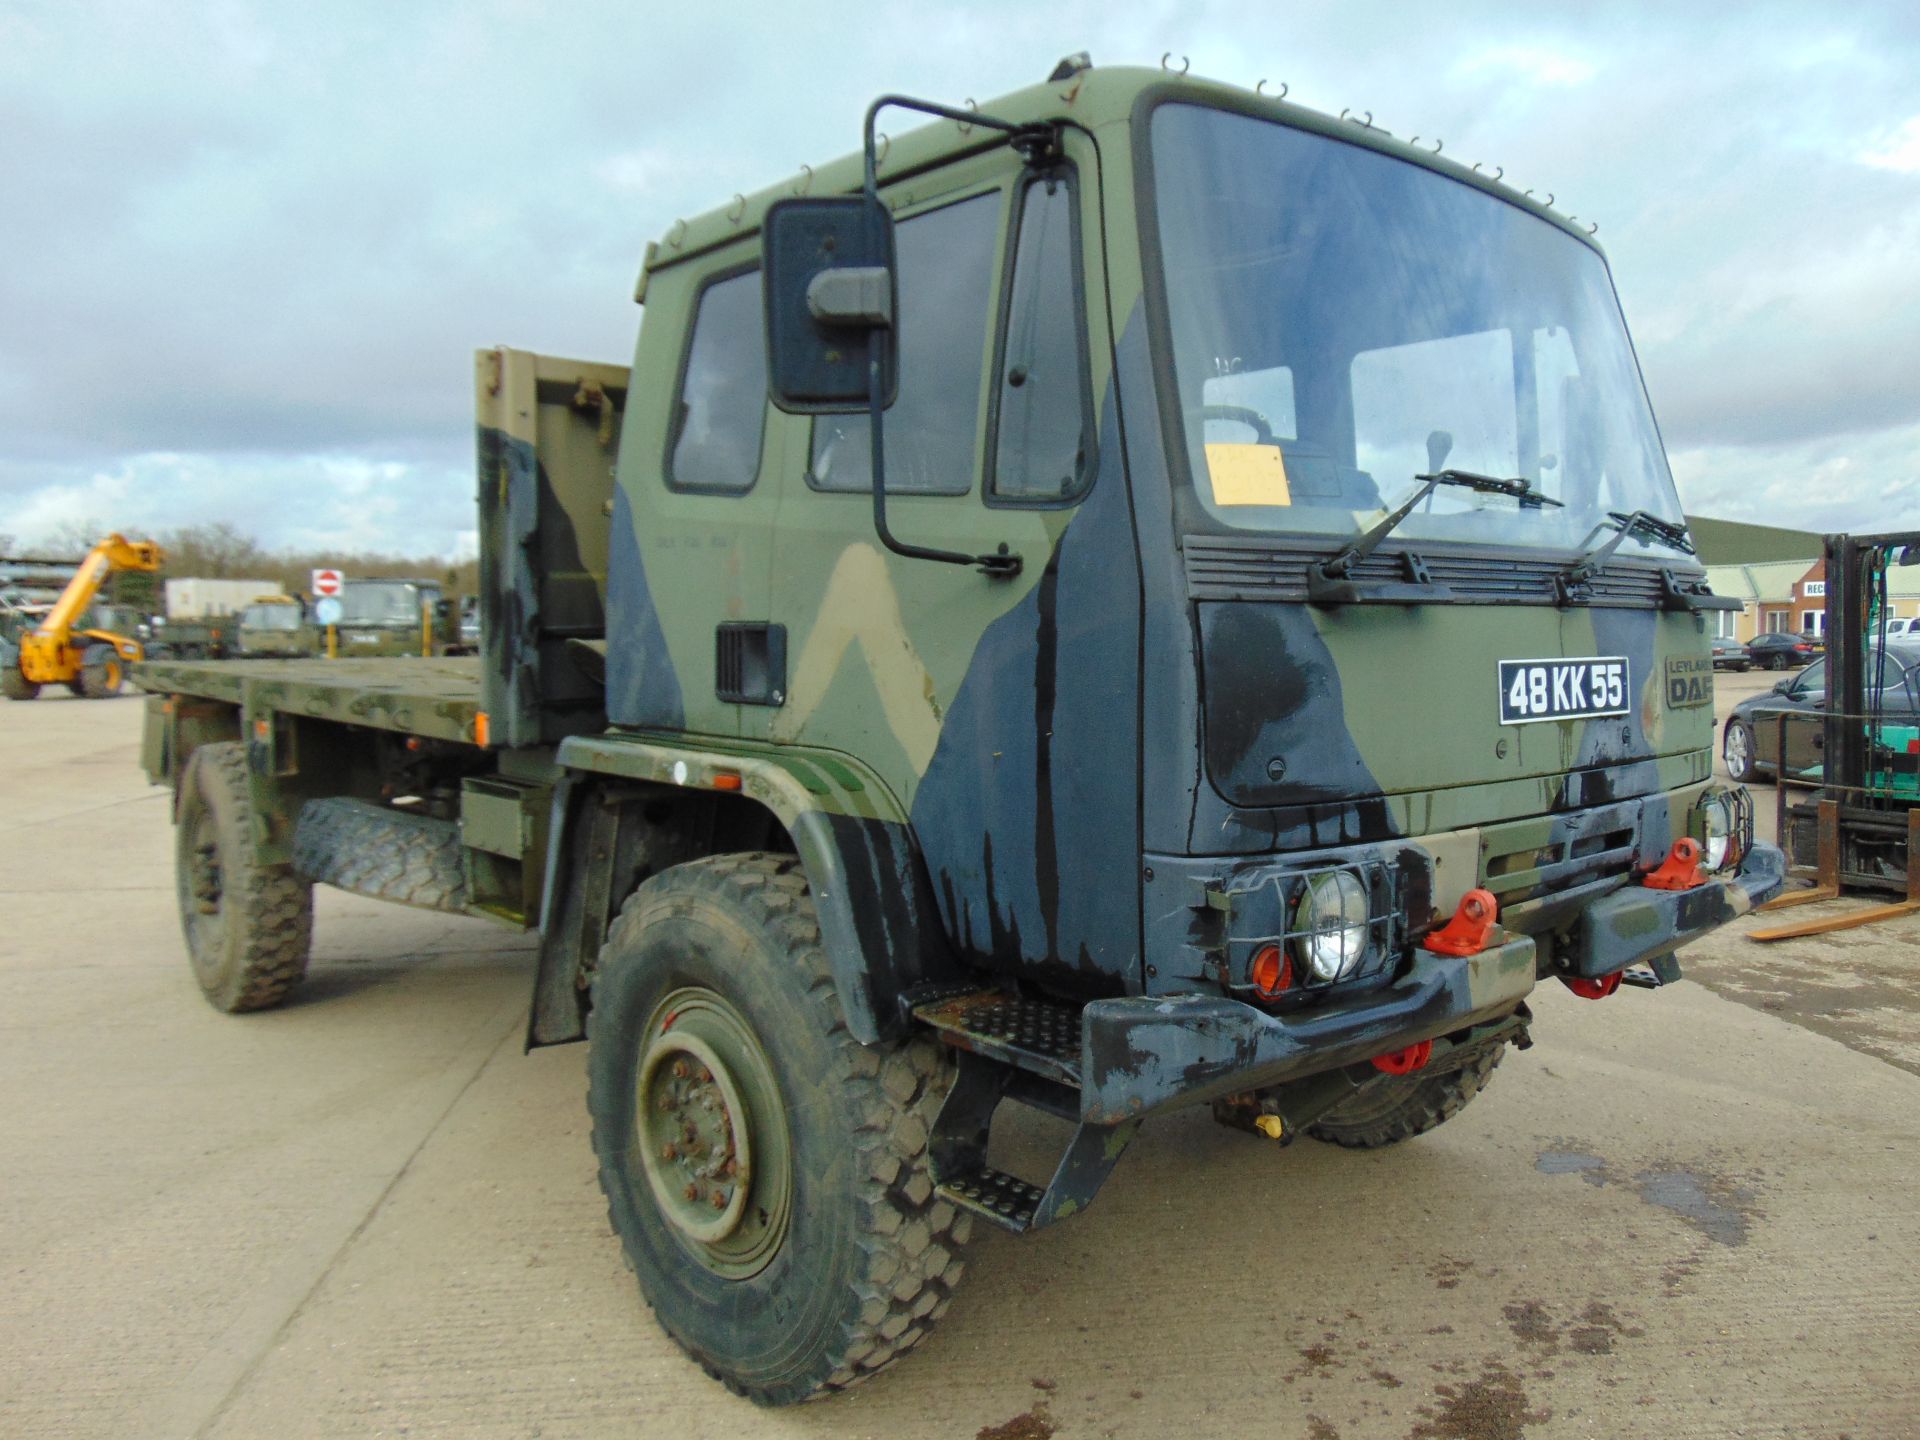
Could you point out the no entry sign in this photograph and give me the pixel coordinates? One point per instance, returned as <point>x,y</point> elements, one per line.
<point>327,582</point>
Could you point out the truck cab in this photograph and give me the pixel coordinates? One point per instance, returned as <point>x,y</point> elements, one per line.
<point>1179,362</point>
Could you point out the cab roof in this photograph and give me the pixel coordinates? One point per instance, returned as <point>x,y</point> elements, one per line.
<point>1090,99</point>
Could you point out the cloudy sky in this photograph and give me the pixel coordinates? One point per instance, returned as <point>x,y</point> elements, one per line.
<point>247,249</point>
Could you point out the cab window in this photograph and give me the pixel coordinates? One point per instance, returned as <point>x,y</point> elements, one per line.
<point>945,260</point>
<point>1043,420</point>
<point>723,391</point>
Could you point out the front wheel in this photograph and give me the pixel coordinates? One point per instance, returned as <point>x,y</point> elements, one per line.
<point>102,672</point>
<point>1403,1106</point>
<point>16,686</point>
<point>767,1175</point>
<point>1737,749</point>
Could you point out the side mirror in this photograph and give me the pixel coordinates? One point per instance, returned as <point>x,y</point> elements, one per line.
<point>1784,685</point>
<point>828,277</point>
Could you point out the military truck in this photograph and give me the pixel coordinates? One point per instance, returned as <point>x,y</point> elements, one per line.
<point>277,627</point>
<point>391,617</point>
<point>1254,673</point>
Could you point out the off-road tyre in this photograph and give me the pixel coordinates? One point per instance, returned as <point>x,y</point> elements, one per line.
<point>1739,753</point>
<point>248,926</point>
<point>870,1255</point>
<point>1403,1106</point>
<point>102,672</point>
<point>16,686</point>
<point>382,852</point>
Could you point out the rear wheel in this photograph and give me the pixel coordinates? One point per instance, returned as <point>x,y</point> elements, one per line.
<point>1403,1106</point>
<point>767,1175</point>
<point>1776,661</point>
<point>248,926</point>
<point>102,672</point>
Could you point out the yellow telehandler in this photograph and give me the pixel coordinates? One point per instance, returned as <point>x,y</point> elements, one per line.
<point>92,663</point>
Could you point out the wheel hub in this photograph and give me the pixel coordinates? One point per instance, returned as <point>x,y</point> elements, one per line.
<point>702,1163</point>
<point>711,1133</point>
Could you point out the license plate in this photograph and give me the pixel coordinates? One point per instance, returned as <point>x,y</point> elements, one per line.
<point>1533,690</point>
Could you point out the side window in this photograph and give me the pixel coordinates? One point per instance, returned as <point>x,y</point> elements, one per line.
<point>946,275</point>
<point>1042,428</point>
<point>723,394</point>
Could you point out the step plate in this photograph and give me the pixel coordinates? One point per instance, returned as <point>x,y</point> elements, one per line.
<point>1040,1036</point>
<point>1006,1200</point>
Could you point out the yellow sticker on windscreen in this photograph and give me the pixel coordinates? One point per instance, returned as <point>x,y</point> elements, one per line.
<point>1247,474</point>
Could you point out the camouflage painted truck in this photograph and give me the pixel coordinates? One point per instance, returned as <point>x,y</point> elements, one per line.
<point>1274,650</point>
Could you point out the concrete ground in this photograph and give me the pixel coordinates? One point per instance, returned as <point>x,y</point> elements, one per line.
<point>1683,1213</point>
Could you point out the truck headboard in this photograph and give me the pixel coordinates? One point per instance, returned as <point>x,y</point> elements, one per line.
<point>549,434</point>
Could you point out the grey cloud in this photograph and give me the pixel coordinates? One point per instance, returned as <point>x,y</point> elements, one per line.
<point>251,236</point>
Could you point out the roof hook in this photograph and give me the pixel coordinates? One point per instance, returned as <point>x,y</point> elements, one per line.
<point>1261,89</point>
<point>1593,227</point>
<point>806,180</point>
<point>1185,64</point>
<point>966,126</point>
<point>886,144</point>
<point>737,208</point>
<point>678,234</point>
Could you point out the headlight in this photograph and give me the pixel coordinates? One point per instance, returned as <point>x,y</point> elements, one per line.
<point>1719,836</point>
<point>1330,924</point>
<point>1725,827</point>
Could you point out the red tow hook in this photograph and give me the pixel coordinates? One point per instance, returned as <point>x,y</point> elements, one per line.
<point>1405,1062</point>
<point>1593,989</point>
<point>1680,870</point>
<point>1466,933</point>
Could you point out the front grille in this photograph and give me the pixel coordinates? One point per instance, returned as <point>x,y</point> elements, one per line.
<point>1237,568</point>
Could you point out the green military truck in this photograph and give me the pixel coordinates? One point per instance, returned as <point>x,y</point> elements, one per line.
<point>276,627</point>
<point>1274,648</point>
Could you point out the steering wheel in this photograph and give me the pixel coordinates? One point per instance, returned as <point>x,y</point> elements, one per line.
<point>1241,415</point>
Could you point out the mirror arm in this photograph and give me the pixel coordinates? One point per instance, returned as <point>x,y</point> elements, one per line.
<point>1004,565</point>
<point>1001,566</point>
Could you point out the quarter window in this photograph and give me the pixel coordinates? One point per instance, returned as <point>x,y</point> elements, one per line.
<point>1042,442</point>
<point>945,260</point>
<point>723,395</point>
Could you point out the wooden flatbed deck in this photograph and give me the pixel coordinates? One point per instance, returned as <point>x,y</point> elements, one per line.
<point>436,699</point>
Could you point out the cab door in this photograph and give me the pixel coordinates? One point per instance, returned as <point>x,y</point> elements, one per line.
<point>999,711</point>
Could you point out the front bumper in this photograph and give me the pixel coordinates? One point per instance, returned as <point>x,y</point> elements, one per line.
<point>1145,1053</point>
<point>1633,924</point>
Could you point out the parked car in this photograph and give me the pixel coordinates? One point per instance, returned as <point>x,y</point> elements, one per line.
<point>1901,629</point>
<point>1779,652</point>
<point>1750,743</point>
<point>1730,654</point>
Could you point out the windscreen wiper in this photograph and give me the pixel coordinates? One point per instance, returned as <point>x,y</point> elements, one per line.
<point>1325,581</point>
<point>1677,591</point>
<point>1636,522</point>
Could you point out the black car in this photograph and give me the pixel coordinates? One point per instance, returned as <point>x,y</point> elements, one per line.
<point>1751,742</point>
<point>1730,654</point>
<point>1780,652</point>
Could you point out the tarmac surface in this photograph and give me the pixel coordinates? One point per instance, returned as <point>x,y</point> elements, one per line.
<point>1683,1213</point>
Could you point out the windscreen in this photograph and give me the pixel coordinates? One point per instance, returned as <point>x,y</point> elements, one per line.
<point>270,617</point>
<point>1343,321</point>
<point>380,602</point>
